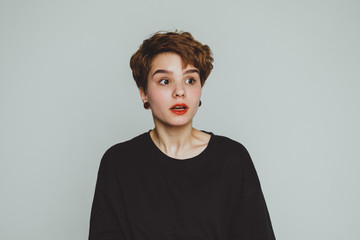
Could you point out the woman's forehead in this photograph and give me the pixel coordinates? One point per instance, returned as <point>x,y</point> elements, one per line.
<point>168,62</point>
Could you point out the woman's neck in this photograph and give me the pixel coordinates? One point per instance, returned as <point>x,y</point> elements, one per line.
<point>179,142</point>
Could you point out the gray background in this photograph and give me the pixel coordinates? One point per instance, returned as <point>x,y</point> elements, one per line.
<point>285,84</point>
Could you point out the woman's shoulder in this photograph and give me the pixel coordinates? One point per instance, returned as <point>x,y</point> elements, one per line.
<point>131,145</point>
<point>231,149</point>
<point>228,143</point>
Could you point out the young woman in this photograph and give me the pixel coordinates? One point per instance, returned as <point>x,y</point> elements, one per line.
<point>174,181</point>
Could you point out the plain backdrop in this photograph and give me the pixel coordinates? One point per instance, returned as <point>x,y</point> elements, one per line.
<point>285,84</point>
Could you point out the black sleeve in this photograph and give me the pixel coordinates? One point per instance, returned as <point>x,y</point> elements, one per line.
<point>251,220</point>
<point>106,207</point>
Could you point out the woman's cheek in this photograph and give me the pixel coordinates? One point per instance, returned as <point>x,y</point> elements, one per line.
<point>196,93</point>
<point>159,97</point>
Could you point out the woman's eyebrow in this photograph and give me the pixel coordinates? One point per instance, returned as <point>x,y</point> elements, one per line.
<point>162,71</point>
<point>192,71</point>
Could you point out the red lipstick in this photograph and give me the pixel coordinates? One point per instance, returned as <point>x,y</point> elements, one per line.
<point>180,108</point>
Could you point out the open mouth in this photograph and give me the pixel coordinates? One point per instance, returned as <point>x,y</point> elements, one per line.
<point>179,108</point>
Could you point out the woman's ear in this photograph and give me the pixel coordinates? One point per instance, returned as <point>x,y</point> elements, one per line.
<point>143,94</point>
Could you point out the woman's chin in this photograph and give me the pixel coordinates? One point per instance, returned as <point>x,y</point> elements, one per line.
<point>177,122</point>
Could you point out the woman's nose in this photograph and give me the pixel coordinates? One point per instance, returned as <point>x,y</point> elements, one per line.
<point>179,91</point>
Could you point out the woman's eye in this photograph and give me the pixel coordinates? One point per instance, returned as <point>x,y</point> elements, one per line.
<point>164,81</point>
<point>190,80</point>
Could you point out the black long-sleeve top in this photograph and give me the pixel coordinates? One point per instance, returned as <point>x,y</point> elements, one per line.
<point>143,194</point>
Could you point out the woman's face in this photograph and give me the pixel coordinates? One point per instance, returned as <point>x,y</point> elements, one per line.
<point>173,92</point>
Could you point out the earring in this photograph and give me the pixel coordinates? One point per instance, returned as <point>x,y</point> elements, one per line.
<point>200,103</point>
<point>146,105</point>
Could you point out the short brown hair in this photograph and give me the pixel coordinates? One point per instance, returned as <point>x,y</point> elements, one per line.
<point>182,43</point>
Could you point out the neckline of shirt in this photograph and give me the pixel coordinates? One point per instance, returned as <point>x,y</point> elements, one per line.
<point>191,160</point>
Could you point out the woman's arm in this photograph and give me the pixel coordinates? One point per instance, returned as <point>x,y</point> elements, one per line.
<point>251,218</point>
<point>106,207</point>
